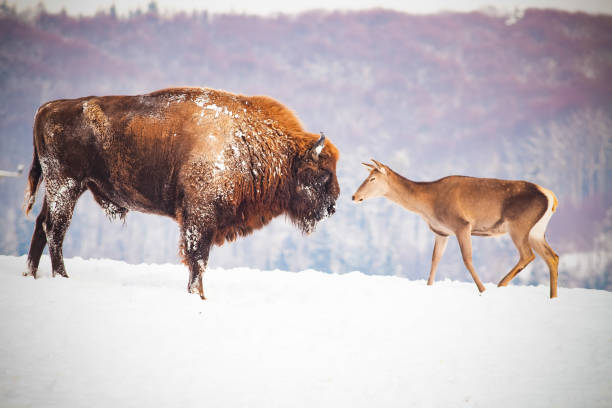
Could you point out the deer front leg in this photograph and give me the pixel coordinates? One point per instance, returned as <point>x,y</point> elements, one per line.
<point>438,251</point>
<point>464,237</point>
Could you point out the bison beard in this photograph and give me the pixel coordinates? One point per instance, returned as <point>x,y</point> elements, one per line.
<point>221,165</point>
<point>312,204</point>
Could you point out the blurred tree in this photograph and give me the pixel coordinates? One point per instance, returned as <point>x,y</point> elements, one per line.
<point>152,8</point>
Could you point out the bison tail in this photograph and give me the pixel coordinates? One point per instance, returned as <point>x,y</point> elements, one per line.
<point>33,183</point>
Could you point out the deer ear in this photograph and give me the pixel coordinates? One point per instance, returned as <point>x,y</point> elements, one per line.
<point>379,166</point>
<point>369,166</point>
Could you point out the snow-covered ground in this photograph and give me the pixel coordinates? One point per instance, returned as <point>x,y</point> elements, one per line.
<point>119,335</point>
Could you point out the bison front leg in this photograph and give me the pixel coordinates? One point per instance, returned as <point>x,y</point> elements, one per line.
<point>197,266</point>
<point>196,248</point>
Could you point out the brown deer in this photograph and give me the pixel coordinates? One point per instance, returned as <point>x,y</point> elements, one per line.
<point>466,206</point>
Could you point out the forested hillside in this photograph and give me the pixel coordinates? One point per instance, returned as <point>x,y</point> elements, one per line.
<point>474,94</point>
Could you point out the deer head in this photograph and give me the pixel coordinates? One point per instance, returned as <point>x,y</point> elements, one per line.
<point>375,185</point>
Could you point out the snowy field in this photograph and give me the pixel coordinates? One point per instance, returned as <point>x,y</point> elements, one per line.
<point>119,335</point>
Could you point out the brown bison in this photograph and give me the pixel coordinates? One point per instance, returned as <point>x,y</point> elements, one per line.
<point>220,164</point>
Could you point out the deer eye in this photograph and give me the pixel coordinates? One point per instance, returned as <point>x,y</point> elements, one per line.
<point>373,178</point>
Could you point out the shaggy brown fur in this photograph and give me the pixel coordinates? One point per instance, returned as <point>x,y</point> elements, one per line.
<point>222,165</point>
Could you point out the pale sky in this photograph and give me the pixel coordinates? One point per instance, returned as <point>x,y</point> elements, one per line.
<point>264,7</point>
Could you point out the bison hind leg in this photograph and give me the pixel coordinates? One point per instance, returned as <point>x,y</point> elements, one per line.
<point>39,240</point>
<point>61,196</point>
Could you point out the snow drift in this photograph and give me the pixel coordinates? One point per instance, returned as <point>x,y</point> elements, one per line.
<point>130,336</point>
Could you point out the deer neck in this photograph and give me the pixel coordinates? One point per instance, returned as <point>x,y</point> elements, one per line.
<point>412,196</point>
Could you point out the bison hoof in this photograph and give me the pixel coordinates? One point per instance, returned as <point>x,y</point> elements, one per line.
<point>30,273</point>
<point>60,273</point>
<point>196,290</point>
<point>197,293</point>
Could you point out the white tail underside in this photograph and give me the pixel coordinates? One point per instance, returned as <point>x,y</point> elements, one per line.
<point>539,229</point>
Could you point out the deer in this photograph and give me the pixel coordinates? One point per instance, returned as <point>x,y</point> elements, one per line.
<point>469,206</point>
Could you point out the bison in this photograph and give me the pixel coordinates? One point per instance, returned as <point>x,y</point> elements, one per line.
<point>222,165</point>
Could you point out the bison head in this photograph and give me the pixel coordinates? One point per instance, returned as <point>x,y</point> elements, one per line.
<point>315,185</point>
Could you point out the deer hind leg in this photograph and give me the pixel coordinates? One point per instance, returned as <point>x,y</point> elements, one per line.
<point>551,258</point>
<point>464,237</point>
<point>538,242</point>
<point>61,196</point>
<point>438,251</point>
<point>521,241</point>
<point>39,240</point>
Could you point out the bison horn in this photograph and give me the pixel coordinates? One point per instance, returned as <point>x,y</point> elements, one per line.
<point>316,149</point>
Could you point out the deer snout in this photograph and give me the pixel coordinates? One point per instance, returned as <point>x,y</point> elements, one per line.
<point>357,199</point>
